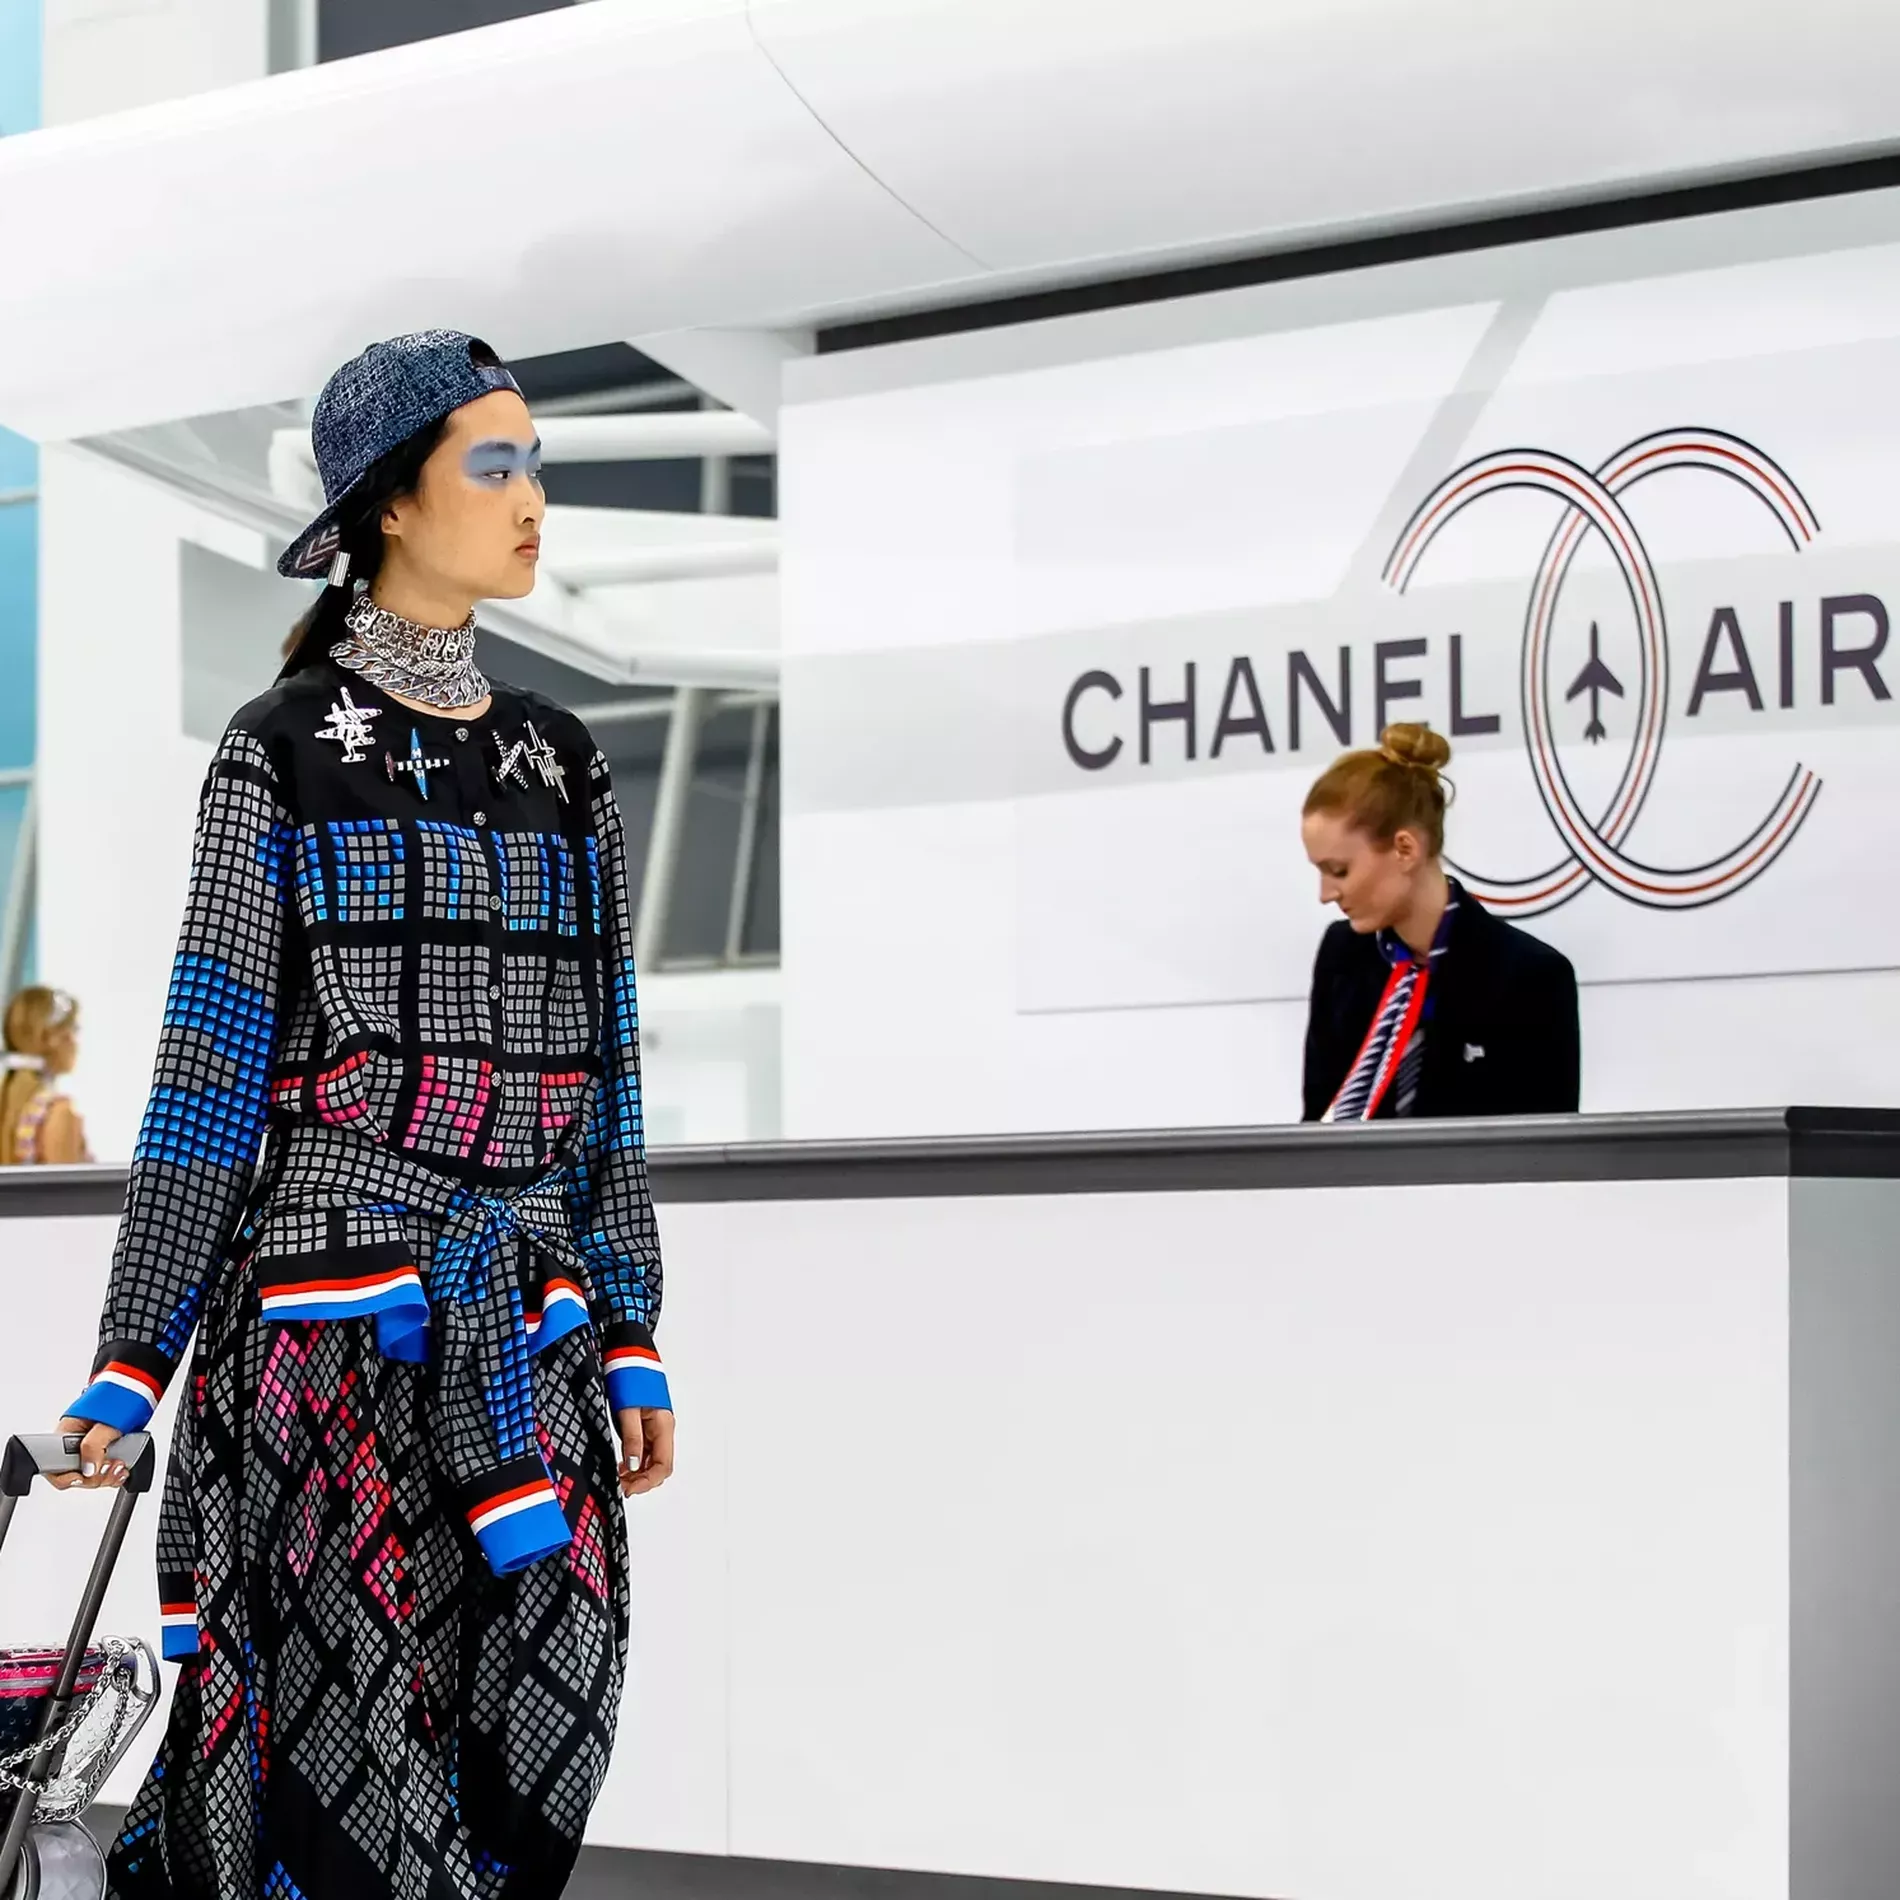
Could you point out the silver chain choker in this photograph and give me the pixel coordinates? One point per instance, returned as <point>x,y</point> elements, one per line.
<point>433,665</point>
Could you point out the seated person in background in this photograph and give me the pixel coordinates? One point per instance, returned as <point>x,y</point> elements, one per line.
<point>1423,1002</point>
<point>37,1123</point>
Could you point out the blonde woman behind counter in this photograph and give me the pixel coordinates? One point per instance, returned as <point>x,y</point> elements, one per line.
<point>1423,1002</point>
<point>37,1123</point>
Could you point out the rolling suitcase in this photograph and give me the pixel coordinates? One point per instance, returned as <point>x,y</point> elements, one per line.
<point>67,1716</point>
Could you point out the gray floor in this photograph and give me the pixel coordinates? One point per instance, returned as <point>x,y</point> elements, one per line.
<point>605,1872</point>
<point>615,1873</point>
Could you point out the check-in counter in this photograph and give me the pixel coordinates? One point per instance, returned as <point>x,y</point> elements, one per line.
<point>1500,1511</point>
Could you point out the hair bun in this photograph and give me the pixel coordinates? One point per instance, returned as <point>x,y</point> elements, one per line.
<point>1416,746</point>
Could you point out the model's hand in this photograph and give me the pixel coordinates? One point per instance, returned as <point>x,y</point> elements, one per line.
<point>646,1451</point>
<point>97,1471</point>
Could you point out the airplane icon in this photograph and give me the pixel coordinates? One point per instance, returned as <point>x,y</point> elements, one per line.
<point>1596,679</point>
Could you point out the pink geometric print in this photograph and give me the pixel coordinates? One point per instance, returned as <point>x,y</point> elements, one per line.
<point>386,1576</point>
<point>587,1551</point>
<point>338,1099</point>
<point>434,1097</point>
<point>560,1098</point>
<point>279,1389</point>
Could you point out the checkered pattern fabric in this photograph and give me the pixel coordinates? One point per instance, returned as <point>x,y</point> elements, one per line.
<point>367,1709</point>
<point>423,1010</point>
<point>427,977</point>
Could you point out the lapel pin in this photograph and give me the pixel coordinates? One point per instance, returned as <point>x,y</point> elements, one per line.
<point>416,764</point>
<point>508,771</point>
<point>543,758</point>
<point>347,724</point>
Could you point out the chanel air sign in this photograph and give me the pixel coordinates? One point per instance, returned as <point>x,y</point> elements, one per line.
<point>1614,661</point>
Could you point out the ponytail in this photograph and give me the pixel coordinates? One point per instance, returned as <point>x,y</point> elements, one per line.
<point>318,630</point>
<point>312,634</point>
<point>360,528</point>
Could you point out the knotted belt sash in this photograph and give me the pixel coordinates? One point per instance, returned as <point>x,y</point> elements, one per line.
<point>330,1243</point>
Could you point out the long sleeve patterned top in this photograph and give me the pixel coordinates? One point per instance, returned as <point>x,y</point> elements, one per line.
<point>407,954</point>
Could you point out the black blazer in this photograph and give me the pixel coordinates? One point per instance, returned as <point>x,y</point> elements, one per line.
<point>1502,1039</point>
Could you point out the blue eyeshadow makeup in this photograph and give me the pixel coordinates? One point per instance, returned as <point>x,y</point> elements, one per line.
<point>500,461</point>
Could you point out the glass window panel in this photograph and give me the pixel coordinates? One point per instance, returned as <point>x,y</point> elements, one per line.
<point>702,897</point>
<point>762,910</point>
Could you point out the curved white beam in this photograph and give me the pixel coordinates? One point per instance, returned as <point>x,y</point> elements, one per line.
<point>617,635</point>
<point>741,368</point>
<point>681,561</point>
<point>694,433</point>
<point>691,433</point>
<point>525,182</point>
<point>844,156</point>
<point>1060,135</point>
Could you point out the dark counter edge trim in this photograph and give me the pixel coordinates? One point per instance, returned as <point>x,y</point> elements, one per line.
<point>28,1193</point>
<point>1727,1144</point>
<point>1575,216</point>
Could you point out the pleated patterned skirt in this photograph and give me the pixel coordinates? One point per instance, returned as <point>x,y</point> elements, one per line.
<point>372,1712</point>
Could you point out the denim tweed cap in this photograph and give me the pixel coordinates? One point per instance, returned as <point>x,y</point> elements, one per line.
<point>373,404</point>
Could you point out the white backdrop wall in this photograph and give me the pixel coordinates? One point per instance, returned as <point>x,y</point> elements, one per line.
<point>989,926</point>
<point>118,775</point>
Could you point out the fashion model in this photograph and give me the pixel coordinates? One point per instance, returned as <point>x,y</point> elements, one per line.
<point>391,1547</point>
<point>1424,1003</point>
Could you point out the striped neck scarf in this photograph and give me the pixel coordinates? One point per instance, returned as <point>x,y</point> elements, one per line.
<point>1393,1053</point>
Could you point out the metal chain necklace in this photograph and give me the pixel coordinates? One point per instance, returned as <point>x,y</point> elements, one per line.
<point>432,665</point>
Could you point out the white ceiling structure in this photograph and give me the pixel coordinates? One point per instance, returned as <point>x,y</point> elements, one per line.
<point>637,596</point>
<point>710,179</point>
<point>643,166</point>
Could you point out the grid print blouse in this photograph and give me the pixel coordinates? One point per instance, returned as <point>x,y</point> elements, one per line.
<point>408,950</point>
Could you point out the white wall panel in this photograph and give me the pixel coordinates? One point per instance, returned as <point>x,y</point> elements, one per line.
<point>1404,1540</point>
<point>118,776</point>
<point>667,1787</point>
<point>103,56</point>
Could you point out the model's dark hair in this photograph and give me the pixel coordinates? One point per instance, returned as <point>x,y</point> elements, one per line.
<point>388,479</point>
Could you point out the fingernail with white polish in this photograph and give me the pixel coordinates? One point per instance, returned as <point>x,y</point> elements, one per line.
<point>85,1468</point>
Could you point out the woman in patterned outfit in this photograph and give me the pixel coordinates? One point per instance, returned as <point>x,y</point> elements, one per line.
<point>391,1547</point>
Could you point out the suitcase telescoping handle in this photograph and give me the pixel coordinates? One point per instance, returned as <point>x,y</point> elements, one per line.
<point>46,1455</point>
<point>54,1454</point>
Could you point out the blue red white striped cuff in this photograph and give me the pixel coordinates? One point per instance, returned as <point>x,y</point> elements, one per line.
<point>125,1390</point>
<point>636,1381</point>
<point>516,1517</point>
<point>563,1310</point>
<point>390,1291</point>
<point>178,1631</point>
<point>178,1615</point>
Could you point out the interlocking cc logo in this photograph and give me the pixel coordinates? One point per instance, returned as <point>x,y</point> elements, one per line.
<point>1595,844</point>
